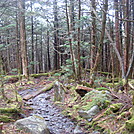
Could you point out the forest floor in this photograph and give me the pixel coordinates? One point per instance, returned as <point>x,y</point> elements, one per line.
<point>111,123</point>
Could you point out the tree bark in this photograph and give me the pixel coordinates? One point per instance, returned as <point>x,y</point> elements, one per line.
<point>69,29</point>
<point>32,40</point>
<point>105,8</point>
<point>117,31</point>
<point>127,36</point>
<point>21,4</point>
<point>56,39</point>
<point>48,51</point>
<point>78,43</point>
<point>93,34</point>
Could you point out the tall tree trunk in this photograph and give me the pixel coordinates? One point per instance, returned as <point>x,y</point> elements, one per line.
<point>78,44</point>
<point>117,31</point>
<point>127,34</point>
<point>69,28</point>
<point>56,40</point>
<point>41,50</point>
<point>105,8</point>
<point>21,4</point>
<point>48,52</point>
<point>32,39</point>
<point>93,34</point>
<point>19,65</point>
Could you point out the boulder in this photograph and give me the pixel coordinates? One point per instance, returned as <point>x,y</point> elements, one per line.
<point>90,113</point>
<point>33,124</point>
<point>78,130</point>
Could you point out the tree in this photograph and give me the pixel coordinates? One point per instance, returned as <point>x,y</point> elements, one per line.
<point>79,42</point>
<point>117,29</point>
<point>21,5</point>
<point>69,29</point>
<point>56,39</point>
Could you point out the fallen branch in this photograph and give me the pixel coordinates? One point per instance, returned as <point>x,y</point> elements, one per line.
<point>84,88</point>
<point>46,88</point>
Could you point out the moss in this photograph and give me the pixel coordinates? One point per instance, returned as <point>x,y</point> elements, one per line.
<point>130,124</point>
<point>39,75</point>
<point>113,108</point>
<point>4,118</point>
<point>12,76</point>
<point>48,87</point>
<point>20,99</point>
<point>30,82</point>
<point>102,89</point>
<point>95,98</point>
<point>111,84</point>
<point>84,83</point>
<point>9,110</point>
<point>76,106</point>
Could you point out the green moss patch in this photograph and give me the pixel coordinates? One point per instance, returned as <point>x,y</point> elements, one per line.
<point>130,124</point>
<point>113,108</point>
<point>5,119</point>
<point>100,98</point>
<point>9,110</point>
<point>102,89</point>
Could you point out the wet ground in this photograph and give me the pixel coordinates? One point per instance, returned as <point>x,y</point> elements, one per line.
<point>43,105</point>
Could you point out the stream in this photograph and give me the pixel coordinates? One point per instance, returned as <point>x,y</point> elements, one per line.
<point>43,105</point>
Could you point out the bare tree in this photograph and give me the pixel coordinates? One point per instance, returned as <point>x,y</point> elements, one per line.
<point>21,5</point>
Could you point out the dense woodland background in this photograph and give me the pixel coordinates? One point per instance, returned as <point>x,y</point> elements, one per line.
<point>79,54</point>
<point>73,35</point>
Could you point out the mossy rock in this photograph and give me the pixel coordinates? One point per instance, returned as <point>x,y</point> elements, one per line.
<point>94,98</point>
<point>130,124</point>
<point>5,119</point>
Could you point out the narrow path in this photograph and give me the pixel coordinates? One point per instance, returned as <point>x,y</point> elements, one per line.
<point>43,105</point>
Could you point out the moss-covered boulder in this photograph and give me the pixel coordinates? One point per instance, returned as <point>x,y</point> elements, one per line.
<point>33,124</point>
<point>100,98</point>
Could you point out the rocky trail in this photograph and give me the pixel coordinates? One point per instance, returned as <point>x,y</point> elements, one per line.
<point>43,105</point>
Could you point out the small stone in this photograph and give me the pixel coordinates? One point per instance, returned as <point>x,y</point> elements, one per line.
<point>90,119</point>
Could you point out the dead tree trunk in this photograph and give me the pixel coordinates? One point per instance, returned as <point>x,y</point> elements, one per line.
<point>21,4</point>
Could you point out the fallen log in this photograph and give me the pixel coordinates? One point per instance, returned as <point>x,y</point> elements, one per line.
<point>82,90</point>
<point>34,94</point>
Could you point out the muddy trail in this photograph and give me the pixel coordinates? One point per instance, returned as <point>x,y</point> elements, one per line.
<point>43,105</point>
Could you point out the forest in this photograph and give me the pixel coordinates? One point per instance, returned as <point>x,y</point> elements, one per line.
<point>66,66</point>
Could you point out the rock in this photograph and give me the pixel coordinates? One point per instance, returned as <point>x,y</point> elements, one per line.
<point>77,130</point>
<point>96,132</point>
<point>59,92</point>
<point>83,114</point>
<point>90,119</point>
<point>33,124</point>
<point>93,111</point>
<point>90,113</point>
